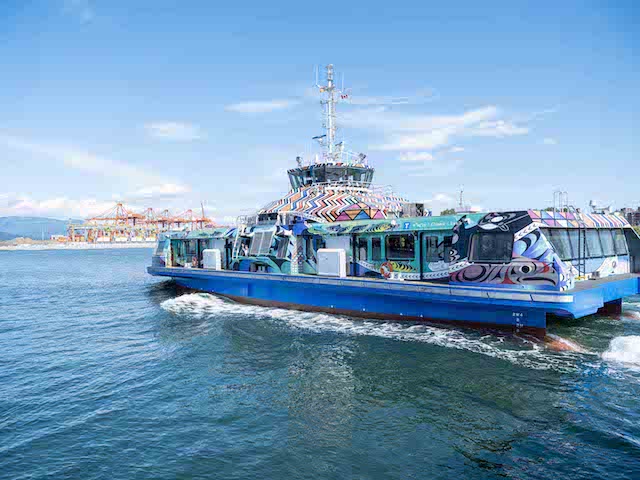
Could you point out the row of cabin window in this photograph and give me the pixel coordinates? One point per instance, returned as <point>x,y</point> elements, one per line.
<point>603,242</point>
<point>497,247</point>
<point>401,247</point>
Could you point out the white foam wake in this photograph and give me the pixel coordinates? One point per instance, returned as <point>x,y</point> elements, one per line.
<point>517,350</point>
<point>625,350</point>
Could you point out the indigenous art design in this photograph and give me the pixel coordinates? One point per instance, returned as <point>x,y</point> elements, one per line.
<point>534,262</point>
<point>504,221</point>
<point>614,266</point>
<point>518,272</point>
<point>603,267</point>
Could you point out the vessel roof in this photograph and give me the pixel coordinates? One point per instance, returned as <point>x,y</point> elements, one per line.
<point>574,219</point>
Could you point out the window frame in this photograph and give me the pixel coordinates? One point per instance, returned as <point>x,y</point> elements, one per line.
<point>601,234</point>
<point>554,235</point>
<point>597,235</point>
<point>380,256</point>
<point>480,234</point>
<point>191,247</point>
<point>387,249</point>
<point>620,231</point>
<point>362,243</point>
<point>574,240</point>
<point>433,246</point>
<point>283,244</point>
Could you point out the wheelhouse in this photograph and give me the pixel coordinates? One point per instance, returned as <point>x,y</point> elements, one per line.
<point>320,173</point>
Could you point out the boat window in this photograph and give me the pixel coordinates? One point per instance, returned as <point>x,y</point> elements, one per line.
<point>265,245</point>
<point>362,249</point>
<point>448,243</point>
<point>162,242</point>
<point>607,242</point>
<point>594,249</point>
<point>308,248</point>
<point>376,249</point>
<point>255,244</point>
<point>283,247</point>
<point>491,247</point>
<point>574,240</point>
<point>559,238</point>
<point>432,253</point>
<point>191,247</point>
<point>400,247</point>
<point>619,242</point>
<point>260,243</point>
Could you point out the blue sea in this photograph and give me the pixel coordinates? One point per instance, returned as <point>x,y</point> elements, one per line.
<point>108,373</point>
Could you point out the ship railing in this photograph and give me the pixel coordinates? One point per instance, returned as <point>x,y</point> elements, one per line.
<point>286,218</point>
<point>353,185</point>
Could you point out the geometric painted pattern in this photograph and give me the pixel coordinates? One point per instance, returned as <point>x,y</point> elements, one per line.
<point>328,204</point>
<point>360,211</point>
<point>572,220</point>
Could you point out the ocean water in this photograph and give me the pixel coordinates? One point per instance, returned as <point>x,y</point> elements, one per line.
<point>108,373</point>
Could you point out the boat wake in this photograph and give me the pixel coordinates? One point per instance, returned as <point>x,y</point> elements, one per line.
<point>624,350</point>
<point>518,350</point>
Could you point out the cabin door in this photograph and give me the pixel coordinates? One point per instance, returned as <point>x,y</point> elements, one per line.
<point>430,252</point>
<point>228,252</point>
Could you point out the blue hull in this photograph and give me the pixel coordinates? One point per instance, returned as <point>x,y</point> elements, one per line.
<point>517,310</point>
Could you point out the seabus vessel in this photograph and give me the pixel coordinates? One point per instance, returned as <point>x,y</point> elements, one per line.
<point>337,243</point>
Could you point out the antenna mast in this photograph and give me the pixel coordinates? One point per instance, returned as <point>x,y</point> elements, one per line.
<point>330,97</point>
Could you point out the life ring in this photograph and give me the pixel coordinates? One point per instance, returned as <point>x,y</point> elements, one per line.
<point>385,269</point>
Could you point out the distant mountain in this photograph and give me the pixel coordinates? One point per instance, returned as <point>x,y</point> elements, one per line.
<point>33,227</point>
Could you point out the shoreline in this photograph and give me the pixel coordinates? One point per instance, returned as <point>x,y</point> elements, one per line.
<point>75,246</point>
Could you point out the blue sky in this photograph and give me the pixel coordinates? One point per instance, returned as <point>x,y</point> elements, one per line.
<point>167,103</point>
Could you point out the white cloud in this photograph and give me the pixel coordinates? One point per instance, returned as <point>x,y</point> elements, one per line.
<point>439,197</point>
<point>434,168</point>
<point>81,9</point>
<point>174,131</point>
<point>421,96</point>
<point>412,132</point>
<point>496,128</point>
<point>57,207</point>
<point>456,150</point>
<point>549,141</point>
<point>162,190</point>
<point>416,157</point>
<point>424,141</point>
<point>439,202</point>
<point>261,106</point>
<point>141,178</point>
